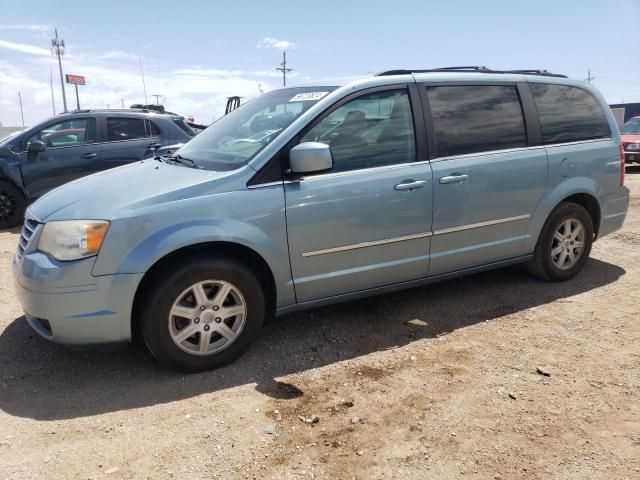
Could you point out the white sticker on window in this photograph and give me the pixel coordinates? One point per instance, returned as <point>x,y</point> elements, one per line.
<point>306,96</point>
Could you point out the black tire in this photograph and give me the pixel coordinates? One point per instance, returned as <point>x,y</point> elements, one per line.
<point>543,265</point>
<point>12,205</point>
<point>166,287</point>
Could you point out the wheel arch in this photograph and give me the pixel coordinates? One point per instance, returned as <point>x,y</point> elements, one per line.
<point>581,190</point>
<point>237,251</point>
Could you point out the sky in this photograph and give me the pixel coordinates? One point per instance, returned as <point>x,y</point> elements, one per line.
<point>198,53</point>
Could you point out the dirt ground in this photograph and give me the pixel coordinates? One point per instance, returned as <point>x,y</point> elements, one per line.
<point>435,382</point>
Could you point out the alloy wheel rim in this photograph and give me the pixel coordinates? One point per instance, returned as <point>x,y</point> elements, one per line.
<point>568,244</point>
<point>207,317</point>
<point>8,206</point>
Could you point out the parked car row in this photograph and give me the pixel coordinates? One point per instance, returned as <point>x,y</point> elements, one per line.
<point>72,145</point>
<point>309,196</point>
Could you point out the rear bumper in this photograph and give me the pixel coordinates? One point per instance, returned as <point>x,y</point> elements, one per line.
<point>614,212</point>
<point>91,310</point>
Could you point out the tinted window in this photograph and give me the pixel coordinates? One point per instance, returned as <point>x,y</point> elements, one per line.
<point>184,127</point>
<point>125,128</point>
<point>67,133</point>
<point>370,131</point>
<point>568,114</point>
<point>476,118</point>
<point>155,131</point>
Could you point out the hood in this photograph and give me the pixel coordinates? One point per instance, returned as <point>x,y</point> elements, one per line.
<point>630,138</point>
<point>122,191</point>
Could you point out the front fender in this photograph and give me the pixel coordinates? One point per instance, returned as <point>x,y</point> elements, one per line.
<point>135,244</point>
<point>570,186</point>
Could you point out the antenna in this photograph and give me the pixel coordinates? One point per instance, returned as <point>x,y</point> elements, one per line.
<point>260,91</point>
<point>283,68</point>
<point>144,85</point>
<point>57,48</point>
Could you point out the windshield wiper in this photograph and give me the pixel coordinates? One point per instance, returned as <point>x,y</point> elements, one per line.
<point>184,161</point>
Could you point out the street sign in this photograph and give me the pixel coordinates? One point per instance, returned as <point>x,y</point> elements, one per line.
<point>75,79</point>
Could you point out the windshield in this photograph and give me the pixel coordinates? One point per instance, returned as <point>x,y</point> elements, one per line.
<point>236,138</point>
<point>632,127</point>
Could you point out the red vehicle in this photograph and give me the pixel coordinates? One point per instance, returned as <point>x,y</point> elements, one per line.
<point>630,132</point>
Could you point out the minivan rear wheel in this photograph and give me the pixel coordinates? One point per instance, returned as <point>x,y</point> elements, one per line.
<point>12,205</point>
<point>564,243</point>
<point>201,313</point>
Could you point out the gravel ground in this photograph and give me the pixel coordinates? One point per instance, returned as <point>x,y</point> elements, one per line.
<point>434,382</point>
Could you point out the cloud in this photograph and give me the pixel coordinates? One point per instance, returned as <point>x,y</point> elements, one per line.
<point>31,28</point>
<point>270,42</point>
<point>24,48</point>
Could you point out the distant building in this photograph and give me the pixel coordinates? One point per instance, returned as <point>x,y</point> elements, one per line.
<point>625,111</point>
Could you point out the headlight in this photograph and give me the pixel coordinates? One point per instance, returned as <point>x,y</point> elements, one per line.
<point>72,239</point>
<point>633,146</point>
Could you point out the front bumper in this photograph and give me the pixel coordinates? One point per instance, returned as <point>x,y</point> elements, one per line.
<point>64,303</point>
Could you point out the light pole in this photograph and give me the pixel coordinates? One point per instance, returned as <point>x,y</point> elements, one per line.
<point>57,48</point>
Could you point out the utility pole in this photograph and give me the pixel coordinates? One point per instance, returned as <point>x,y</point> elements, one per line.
<point>283,68</point>
<point>57,48</point>
<point>21,112</point>
<point>144,85</point>
<point>589,77</point>
<point>157,95</point>
<point>122,100</point>
<point>260,91</point>
<point>53,102</point>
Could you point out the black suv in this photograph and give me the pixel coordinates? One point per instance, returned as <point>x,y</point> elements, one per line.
<point>76,144</point>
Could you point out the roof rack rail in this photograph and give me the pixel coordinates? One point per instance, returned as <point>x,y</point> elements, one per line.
<point>471,69</point>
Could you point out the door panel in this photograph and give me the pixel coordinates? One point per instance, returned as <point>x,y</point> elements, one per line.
<point>381,234</point>
<point>57,166</point>
<point>484,217</point>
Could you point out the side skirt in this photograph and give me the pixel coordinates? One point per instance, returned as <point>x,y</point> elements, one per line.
<point>345,297</point>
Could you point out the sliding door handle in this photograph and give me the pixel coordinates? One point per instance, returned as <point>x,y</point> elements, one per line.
<point>455,178</point>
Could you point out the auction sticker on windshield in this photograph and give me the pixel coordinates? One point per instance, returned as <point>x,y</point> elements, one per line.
<point>306,96</point>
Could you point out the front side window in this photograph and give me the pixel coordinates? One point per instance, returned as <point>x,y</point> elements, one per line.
<point>121,128</point>
<point>68,133</point>
<point>568,114</point>
<point>373,130</point>
<point>477,118</point>
<point>236,138</point>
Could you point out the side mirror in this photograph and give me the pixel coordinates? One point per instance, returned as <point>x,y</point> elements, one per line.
<point>310,157</point>
<point>36,146</point>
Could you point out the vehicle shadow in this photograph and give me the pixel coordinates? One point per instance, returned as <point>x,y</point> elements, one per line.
<point>41,380</point>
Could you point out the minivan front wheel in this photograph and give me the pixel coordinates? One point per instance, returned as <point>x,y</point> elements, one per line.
<point>564,244</point>
<point>201,313</point>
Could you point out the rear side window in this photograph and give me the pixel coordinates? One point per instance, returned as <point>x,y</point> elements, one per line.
<point>125,129</point>
<point>184,127</point>
<point>476,118</point>
<point>568,114</point>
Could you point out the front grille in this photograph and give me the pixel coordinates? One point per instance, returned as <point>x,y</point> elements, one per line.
<point>28,229</point>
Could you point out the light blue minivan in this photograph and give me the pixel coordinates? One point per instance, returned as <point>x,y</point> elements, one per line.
<point>314,195</point>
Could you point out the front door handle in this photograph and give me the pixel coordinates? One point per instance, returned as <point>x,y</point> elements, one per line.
<point>410,185</point>
<point>154,145</point>
<point>455,178</point>
<point>90,155</point>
